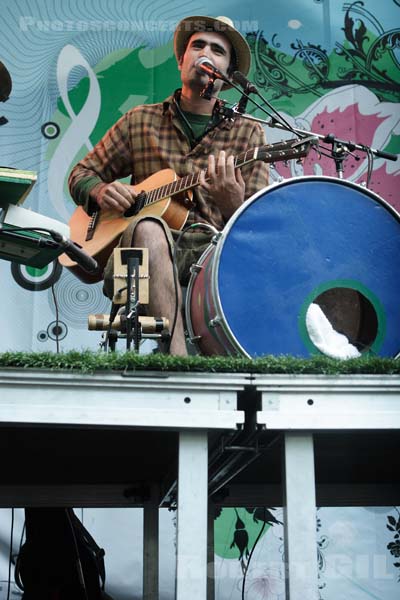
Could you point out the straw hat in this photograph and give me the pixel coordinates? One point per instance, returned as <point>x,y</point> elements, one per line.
<point>224,25</point>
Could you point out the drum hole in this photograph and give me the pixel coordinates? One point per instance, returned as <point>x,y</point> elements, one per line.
<point>350,313</point>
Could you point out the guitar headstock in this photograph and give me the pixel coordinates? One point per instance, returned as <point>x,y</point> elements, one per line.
<point>286,150</point>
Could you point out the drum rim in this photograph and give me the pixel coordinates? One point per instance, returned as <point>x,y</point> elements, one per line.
<point>290,180</point>
<point>224,323</point>
<point>189,291</point>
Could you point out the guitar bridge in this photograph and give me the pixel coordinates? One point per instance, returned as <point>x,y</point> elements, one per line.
<point>92,226</point>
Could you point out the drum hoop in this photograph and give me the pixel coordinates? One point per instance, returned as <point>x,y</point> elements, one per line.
<point>224,234</point>
<point>277,184</point>
<point>189,290</point>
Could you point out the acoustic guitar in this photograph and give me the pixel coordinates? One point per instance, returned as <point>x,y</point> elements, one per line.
<point>163,194</point>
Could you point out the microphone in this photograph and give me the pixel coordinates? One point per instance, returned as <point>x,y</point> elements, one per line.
<point>248,88</point>
<point>204,65</point>
<point>80,256</point>
<point>75,252</point>
<point>241,80</point>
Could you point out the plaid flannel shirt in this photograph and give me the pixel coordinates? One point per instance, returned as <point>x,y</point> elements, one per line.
<point>151,137</point>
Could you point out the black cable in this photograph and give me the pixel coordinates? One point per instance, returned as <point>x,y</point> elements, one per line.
<point>370,158</point>
<point>16,571</point>
<point>251,553</point>
<point>57,328</point>
<point>10,554</point>
<point>278,118</point>
<point>281,119</point>
<point>81,575</point>
<point>113,314</point>
<point>50,232</point>
<point>22,537</point>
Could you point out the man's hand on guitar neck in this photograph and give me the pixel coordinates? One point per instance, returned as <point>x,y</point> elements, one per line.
<point>224,183</point>
<point>115,196</point>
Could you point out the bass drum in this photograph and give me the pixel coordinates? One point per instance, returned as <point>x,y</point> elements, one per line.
<point>305,241</point>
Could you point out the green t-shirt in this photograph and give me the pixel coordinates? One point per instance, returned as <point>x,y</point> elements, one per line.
<point>195,125</point>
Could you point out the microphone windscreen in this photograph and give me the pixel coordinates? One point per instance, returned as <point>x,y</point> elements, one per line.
<point>240,79</point>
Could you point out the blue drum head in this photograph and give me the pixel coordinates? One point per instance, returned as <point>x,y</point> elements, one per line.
<point>308,241</point>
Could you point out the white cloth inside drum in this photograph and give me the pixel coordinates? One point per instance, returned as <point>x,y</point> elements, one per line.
<point>325,338</point>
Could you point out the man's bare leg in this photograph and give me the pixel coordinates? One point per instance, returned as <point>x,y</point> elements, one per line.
<point>149,234</point>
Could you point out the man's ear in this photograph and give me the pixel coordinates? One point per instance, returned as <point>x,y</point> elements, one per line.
<point>180,61</point>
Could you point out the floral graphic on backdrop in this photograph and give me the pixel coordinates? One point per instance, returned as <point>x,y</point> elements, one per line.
<point>354,113</point>
<point>393,525</point>
<point>367,55</point>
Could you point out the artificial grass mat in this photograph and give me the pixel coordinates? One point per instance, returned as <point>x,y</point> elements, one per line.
<point>88,361</point>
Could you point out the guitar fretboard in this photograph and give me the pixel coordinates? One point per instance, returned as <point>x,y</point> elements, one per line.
<point>190,181</point>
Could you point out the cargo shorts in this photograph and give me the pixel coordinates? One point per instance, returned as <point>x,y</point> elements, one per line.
<point>191,246</point>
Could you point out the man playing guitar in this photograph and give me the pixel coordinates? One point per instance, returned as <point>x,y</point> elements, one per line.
<point>184,133</point>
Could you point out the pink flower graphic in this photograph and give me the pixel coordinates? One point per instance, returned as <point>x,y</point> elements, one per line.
<point>351,113</point>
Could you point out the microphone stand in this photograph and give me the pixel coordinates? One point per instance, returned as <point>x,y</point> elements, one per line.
<point>58,243</point>
<point>247,87</point>
<point>340,148</point>
<point>207,92</point>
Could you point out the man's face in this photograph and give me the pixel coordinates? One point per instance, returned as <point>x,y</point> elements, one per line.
<point>214,46</point>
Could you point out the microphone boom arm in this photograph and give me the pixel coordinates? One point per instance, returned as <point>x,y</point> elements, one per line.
<point>280,122</point>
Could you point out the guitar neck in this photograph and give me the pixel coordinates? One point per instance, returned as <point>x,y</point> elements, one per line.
<point>190,181</point>
<point>268,153</point>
